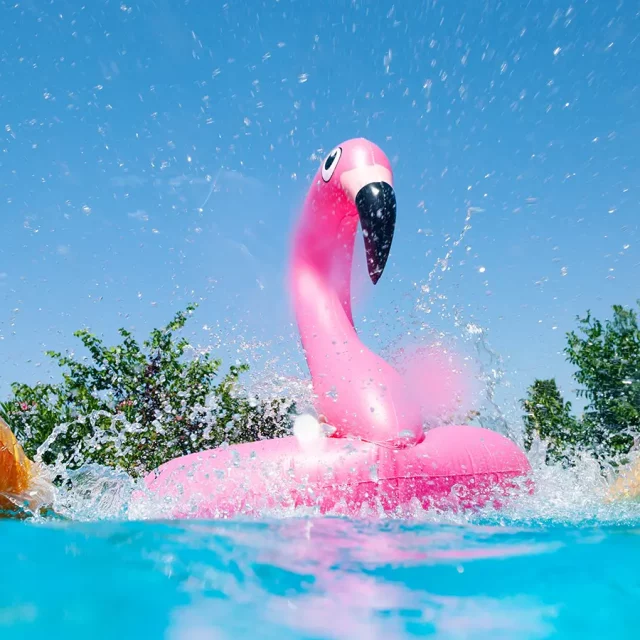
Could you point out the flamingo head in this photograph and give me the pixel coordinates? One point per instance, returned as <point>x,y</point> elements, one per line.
<point>360,171</point>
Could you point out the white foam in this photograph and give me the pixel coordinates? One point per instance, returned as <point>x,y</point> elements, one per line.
<point>308,432</point>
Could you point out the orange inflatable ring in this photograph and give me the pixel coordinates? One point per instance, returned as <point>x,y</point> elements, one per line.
<point>16,470</point>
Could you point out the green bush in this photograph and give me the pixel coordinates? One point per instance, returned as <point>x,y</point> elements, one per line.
<point>607,361</point>
<point>549,417</point>
<point>134,407</point>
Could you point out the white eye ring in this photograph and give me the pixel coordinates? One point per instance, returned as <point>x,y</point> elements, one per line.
<point>330,163</point>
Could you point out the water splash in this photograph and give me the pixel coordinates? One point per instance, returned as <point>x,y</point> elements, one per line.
<point>442,266</point>
<point>491,374</point>
<point>573,495</point>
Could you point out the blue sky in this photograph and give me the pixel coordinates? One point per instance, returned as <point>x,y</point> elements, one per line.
<point>156,153</point>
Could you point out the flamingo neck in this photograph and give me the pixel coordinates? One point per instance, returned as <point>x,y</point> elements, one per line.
<point>322,262</point>
<point>359,393</point>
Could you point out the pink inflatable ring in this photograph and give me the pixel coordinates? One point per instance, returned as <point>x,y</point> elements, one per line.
<point>378,457</point>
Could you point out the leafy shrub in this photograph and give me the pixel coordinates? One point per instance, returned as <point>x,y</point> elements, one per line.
<point>134,407</point>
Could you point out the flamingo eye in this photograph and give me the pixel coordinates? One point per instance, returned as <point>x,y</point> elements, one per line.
<point>331,163</point>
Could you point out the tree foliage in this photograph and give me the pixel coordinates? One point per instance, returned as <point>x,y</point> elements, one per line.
<point>549,417</point>
<point>607,357</point>
<point>607,360</point>
<point>133,406</point>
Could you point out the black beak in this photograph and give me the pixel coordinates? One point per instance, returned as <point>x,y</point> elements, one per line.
<point>376,204</point>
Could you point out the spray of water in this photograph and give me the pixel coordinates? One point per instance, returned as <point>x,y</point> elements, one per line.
<point>475,374</point>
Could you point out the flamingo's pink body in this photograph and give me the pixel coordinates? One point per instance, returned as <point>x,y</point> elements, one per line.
<point>357,391</point>
<point>378,455</point>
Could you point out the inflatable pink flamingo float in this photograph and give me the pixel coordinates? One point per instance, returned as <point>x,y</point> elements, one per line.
<point>377,457</point>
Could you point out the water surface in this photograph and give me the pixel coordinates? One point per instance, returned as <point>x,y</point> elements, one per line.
<point>319,578</point>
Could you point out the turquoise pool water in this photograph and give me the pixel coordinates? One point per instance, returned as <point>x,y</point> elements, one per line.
<point>318,578</point>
